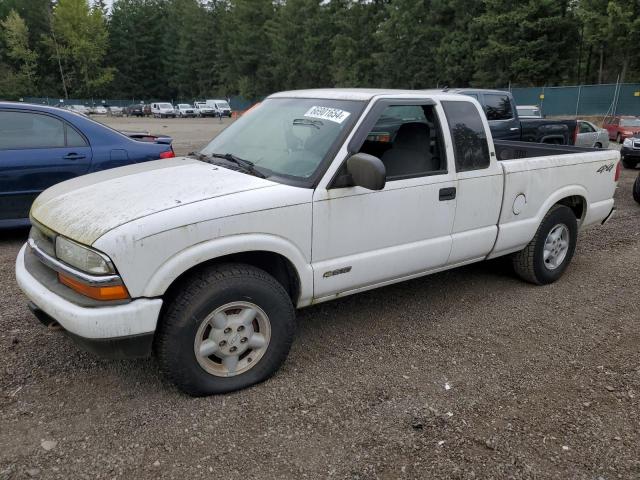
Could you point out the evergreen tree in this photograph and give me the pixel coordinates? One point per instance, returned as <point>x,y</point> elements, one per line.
<point>18,68</point>
<point>408,41</point>
<point>528,43</point>
<point>355,44</point>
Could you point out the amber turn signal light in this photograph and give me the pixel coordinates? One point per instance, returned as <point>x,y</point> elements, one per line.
<point>112,292</point>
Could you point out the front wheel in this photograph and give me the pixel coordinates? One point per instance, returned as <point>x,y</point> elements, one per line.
<point>629,163</point>
<point>618,138</point>
<point>549,253</point>
<point>229,327</point>
<point>636,189</point>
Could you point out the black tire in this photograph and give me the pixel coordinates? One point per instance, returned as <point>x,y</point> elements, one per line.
<point>529,263</point>
<point>597,145</point>
<point>629,163</point>
<point>200,295</point>
<point>636,189</point>
<point>618,138</point>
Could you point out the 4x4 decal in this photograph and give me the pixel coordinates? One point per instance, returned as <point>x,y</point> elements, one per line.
<point>606,168</point>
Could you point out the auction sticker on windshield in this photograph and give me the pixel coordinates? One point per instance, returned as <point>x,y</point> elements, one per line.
<point>325,113</point>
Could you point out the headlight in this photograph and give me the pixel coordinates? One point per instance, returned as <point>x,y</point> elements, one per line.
<point>83,258</point>
<point>627,142</point>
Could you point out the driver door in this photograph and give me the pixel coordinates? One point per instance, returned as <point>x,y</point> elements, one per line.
<point>364,238</point>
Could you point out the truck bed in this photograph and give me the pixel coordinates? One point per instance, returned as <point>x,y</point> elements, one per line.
<point>541,175</point>
<point>511,150</point>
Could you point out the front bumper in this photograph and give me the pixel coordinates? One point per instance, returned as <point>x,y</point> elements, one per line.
<point>110,323</point>
<point>628,152</point>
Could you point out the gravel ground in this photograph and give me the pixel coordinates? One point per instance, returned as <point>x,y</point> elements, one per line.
<point>464,374</point>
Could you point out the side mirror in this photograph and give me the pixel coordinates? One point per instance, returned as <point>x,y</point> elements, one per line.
<point>367,171</point>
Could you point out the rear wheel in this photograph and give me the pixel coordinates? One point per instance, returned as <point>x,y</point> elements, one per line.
<point>636,189</point>
<point>231,326</point>
<point>547,256</point>
<point>597,145</point>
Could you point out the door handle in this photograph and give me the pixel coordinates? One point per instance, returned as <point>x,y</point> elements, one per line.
<point>74,156</point>
<point>513,129</point>
<point>448,193</point>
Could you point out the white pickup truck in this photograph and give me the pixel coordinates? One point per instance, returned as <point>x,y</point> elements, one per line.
<point>309,197</point>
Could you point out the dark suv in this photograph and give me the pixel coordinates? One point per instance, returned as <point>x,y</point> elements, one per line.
<point>134,110</point>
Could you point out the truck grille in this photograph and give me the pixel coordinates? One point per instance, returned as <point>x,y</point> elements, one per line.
<point>43,238</point>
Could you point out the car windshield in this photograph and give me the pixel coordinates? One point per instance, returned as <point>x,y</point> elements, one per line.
<point>165,105</point>
<point>184,105</point>
<point>630,122</point>
<point>287,137</point>
<point>222,105</point>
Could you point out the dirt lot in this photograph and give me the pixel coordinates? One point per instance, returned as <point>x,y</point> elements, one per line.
<point>465,374</point>
<point>188,134</point>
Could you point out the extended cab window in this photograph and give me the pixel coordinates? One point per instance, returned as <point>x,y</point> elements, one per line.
<point>469,137</point>
<point>30,130</point>
<point>408,140</point>
<point>497,107</point>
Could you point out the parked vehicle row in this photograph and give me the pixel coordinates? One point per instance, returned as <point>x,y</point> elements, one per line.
<point>312,196</point>
<point>208,108</point>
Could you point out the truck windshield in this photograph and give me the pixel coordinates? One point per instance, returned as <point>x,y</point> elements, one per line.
<point>287,137</point>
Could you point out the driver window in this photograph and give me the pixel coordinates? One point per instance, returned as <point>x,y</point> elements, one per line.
<point>408,140</point>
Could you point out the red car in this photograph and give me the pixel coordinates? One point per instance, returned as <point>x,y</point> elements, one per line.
<point>620,127</point>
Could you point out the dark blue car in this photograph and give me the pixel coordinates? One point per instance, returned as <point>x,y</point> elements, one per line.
<point>41,146</point>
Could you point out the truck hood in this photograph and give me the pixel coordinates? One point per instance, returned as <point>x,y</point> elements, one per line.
<point>87,207</point>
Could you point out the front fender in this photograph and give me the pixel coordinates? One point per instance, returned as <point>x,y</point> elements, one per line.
<point>194,255</point>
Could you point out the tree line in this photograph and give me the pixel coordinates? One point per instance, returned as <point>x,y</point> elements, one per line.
<point>196,48</point>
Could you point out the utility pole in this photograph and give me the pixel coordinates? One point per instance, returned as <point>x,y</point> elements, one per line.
<point>55,42</point>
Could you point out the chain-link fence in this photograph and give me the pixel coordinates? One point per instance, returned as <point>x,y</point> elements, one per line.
<point>612,99</point>
<point>621,99</point>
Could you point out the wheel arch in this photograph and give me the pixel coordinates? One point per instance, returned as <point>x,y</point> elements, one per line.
<point>276,256</point>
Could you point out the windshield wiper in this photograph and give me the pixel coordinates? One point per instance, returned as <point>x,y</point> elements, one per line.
<point>245,165</point>
<point>311,123</point>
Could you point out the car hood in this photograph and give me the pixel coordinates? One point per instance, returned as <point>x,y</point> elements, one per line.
<point>87,207</point>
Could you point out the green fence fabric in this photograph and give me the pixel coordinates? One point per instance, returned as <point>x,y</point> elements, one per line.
<point>622,99</point>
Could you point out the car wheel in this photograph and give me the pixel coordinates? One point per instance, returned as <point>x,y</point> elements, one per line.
<point>636,189</point>
<point>548,254</point>
<point>629,163</point>
<point>618,138</point>
<point>597,145</point>
<point>229,327</point>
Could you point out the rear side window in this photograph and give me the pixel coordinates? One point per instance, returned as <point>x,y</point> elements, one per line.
<point>30,130</point>
<point>469,137</point>
<point>497,107</point>
<point>74,139</point>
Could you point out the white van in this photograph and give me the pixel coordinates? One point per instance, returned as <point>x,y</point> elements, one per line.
<point>221,107</point>
<point>162,110</point>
